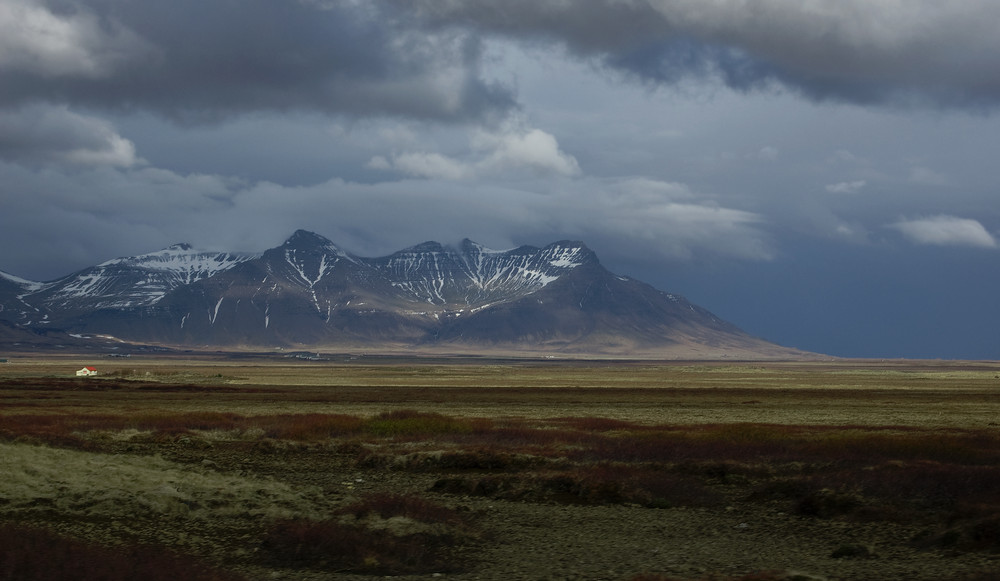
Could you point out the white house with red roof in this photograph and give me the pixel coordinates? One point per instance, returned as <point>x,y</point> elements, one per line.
<point>87,371</point>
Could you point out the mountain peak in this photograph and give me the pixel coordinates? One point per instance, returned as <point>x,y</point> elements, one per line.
<point>305,238</point>
<point>429,246</point>
<point>470,247</point>
<point>181,246</point>
<point>570,244</point>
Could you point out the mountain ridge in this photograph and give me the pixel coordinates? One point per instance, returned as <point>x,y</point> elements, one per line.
<point>309,293</point>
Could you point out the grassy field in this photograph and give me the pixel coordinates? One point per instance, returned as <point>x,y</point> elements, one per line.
<point>264,468</point>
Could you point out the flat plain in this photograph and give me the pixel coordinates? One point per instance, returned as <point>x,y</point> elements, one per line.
<point>262,467</point>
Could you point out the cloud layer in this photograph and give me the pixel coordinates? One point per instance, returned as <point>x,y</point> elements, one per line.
<point>146,209</point>
<point>201,60</point>
<point>924,52</point>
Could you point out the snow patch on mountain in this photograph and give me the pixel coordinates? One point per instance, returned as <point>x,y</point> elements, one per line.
<point>473,273</point>
<point>180,261</point>
<point>27,285</point>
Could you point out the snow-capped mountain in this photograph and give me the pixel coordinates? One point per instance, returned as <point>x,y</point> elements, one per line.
<point>132,282</point>
<point>308,293</point>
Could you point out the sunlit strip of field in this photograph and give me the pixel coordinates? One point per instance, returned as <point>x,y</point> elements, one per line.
<point>916,394</point>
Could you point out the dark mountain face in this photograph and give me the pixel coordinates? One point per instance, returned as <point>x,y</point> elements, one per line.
<point>309,293</point>
<point>13,307</point>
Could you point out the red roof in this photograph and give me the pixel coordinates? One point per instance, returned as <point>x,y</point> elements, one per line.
<point>89,368</point>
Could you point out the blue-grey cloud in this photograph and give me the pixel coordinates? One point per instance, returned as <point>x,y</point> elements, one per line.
<point>946,230</point>
<point>851,187</point>
<point>513,150</point>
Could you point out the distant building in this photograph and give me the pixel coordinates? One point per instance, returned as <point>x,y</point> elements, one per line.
<point>87,371</point>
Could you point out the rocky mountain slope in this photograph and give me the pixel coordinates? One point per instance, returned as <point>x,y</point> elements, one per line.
<point>308,293</point>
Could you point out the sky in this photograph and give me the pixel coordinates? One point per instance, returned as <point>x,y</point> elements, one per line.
<point>823,174</point>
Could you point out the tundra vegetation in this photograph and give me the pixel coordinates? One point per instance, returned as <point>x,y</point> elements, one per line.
<point>261,468</point>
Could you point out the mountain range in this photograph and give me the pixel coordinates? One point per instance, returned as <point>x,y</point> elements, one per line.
<point>309,294</point>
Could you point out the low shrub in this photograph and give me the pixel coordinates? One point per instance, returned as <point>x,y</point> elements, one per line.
<point>758,576</point>
<point>852,445</point>
<point>411,423</point>
<point>853,551</point>
<point>929,487</point>
<point>334,546</point>
<point>828,504</point>
<point>476,460</point>
<point>591,424</point>
<point>175,422</point>
<point>387,505</point>
<point>966,532</point>
<point>308,427</point>
<point>598,484</point>
<point>35,554</point>
<point>986,575</point>
<point>370,545</point>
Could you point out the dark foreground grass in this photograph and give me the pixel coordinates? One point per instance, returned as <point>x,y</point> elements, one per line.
<point>759,576</point>
<point>987,575</point>
<point>37,554</point>
<point>71,430</point>
<point>650,487</point>
<point>947,481</point>
<point>384,534</point>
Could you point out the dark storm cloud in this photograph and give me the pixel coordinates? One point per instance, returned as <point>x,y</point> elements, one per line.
<point>205,59</point>
<point>923,52</point>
